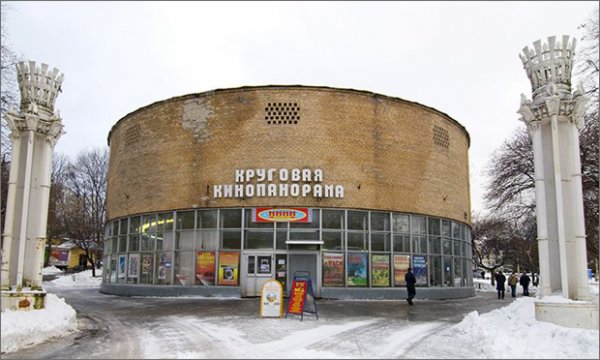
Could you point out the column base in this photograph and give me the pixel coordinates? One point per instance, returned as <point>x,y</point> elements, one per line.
<point>580,314</point>
<point>23,300</point>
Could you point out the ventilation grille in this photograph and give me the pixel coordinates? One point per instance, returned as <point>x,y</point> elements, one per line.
<point>286,113</point>
<point>132,136</point>
<point>441,137</point>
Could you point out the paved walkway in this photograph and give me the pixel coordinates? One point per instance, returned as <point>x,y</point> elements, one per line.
<point>149,327</point>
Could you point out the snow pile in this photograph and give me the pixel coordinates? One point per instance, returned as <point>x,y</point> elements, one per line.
<point>51,270</point>
<point>25,328</point>
<point>80,279</point>
<point>513,332</point>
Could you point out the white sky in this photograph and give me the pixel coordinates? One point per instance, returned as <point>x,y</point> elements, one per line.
<point>510,332</point>
<point>460,58</point>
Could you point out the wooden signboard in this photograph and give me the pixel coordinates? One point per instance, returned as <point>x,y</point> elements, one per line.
<point>271,299</point>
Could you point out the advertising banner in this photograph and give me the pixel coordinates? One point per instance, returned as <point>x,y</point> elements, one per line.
<point>302,215</point>
<point>420,269</point>
<point>134,263</point>
<point>333,269</point>
<point>229,263</point>
<point>205,268</point>
<point>297,297</point>
<point>401,265</point>
<point>121,272</point>
<point>271,299</point>
<point>146,264</point>
<point>59,257</point>
<point>380,268</point>
<point>357,269</point>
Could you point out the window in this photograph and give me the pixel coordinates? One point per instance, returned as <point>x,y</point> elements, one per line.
<point>357,220</point>
<point>418,224</point>
<point>333,219</point>
<point>402,243</point>
<point>380,242</point>
<point>401,224</point>
<point>258,239</point>
<point>380,221</point>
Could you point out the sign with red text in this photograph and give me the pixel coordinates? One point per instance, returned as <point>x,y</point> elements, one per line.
<point>302,215</point>
<point>297,297</point>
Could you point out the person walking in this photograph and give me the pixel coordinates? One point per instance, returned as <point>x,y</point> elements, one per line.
<point>524,281</point>
<point>500,280</point>
<point>513,280</point>
<point>536,279</point>
<point>410,285</point>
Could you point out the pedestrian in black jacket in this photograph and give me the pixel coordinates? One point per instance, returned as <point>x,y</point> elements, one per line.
<point>410,285</point>
<point>500,280</point>
<point>524,281</point>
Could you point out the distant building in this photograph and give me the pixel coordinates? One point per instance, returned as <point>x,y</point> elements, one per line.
<point>68,255</point>
<point>216,193</point>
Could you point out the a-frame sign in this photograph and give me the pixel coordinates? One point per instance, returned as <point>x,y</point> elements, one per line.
<point>302,296</point>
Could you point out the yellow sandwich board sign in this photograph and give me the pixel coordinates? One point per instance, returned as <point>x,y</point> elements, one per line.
<point>271,299</point>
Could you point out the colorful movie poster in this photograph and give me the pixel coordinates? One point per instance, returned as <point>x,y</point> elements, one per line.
<point>380,270</point>
<point>164,263</point>
<point>401,264</point>
<point>357,269</point>
<point>134,263</point>
<point>121,266</point>
<point>146,264</point>
<point>205,268</point>
<point>229,263</point>
<point>333,269</point>
<point>419,264</point>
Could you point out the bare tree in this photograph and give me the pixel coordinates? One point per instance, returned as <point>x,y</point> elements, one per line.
<point>85,203</point>
<point>490,237</point>
<point>59,193</point>
<point>511,190</point>
<point>9,96</point>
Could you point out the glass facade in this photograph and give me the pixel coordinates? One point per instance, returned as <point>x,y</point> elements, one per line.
<point>358,249</point>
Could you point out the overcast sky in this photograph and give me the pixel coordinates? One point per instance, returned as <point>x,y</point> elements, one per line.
<point>460,58</point>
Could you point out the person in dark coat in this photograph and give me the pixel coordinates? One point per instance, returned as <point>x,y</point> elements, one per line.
<point>500,280</point>
<point>410,285</point>
<point>524,281</point>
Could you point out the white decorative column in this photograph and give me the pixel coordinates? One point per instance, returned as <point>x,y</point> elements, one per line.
<point>34,132</point>
<point>553,118</point>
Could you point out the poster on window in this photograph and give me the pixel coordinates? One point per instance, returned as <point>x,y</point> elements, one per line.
<point>229,268</point>
<point>357,269</point>
<point>121,266</point>
<point>333,269</point>
<point>146,264</point>
<point>164,263</point>
<point>134,263</point>
<point>401,264</point>
<point>380,270</point>
<point>419,264</point>
<point>205,268</point>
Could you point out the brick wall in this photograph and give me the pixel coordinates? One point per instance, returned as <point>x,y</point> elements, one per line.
<point>388,154</point>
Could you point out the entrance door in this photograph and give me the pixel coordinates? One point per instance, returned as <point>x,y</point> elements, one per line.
<point>258,269</point>
<point>305,262</point>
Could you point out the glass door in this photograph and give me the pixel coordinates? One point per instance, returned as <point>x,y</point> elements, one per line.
<point>258,269</point>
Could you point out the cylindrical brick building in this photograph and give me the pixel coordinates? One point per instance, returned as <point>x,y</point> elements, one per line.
<point>216,193</point>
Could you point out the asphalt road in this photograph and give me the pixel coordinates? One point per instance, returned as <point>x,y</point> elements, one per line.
<point>113,327</point>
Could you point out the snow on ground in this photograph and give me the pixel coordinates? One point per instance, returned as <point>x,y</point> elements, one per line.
<point>51,270</point>
<point>22,329</point>
<point>508,332</point>
<point>79,280</point>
